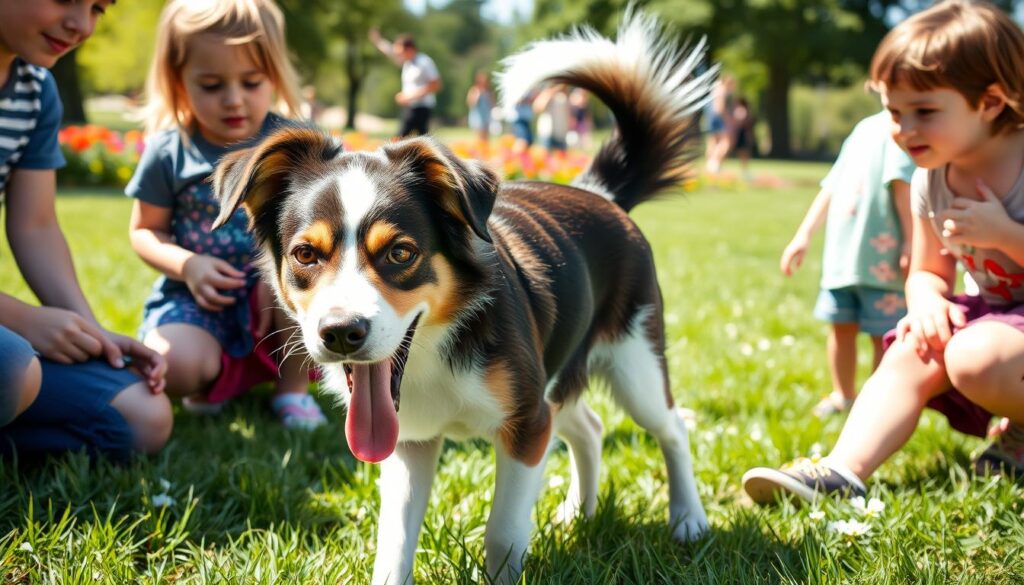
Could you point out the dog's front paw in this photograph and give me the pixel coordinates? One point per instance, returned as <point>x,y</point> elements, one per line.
<point>690,526</point>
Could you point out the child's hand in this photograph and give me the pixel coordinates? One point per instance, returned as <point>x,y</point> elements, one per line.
<point>206,276</point>
<point>930,324</point>
<point>793,255</point>
<point>978,223</point>
<point>144,361</point>
<point>63,336</point>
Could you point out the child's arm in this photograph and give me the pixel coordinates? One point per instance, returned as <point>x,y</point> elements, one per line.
<point>793,255</point>
<point>901,200</point>
<point>64,329</point>
<point>929,286</point>
<point>205,276</point>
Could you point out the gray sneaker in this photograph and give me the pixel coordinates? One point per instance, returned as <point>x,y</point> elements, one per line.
<point>804,479</point>
<point>1004,455</point>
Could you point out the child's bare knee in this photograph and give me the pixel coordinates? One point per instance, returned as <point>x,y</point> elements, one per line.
<point>31,381</point>
<point>149,416</point>
<point>970,366</point>
<point>190,368</point>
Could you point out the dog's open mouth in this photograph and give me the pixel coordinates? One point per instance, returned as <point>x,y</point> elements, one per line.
<point>372,424</point>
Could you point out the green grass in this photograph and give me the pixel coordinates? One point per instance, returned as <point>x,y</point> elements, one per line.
<point>254,503</point>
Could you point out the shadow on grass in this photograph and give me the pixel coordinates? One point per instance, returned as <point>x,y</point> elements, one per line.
<point>622,544</point>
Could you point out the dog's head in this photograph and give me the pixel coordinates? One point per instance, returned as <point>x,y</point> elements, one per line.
<point>361,248</point>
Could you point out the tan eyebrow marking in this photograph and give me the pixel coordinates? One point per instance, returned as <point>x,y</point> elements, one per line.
<point>320,235</point>
<point>380,234</point>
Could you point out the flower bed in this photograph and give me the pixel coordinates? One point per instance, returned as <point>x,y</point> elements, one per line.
<point>99,156</point>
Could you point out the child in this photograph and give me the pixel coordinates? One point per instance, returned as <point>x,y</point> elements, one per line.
<point>63,381</point>
<point>216,69</point>
<point>866,197</point>
<point>951,78</point>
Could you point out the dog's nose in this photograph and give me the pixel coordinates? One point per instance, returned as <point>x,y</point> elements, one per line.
<point>344,336</point>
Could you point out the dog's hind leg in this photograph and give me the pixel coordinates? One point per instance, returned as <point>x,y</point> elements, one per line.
<point>638,382</point>
<point>509,525</point>
<point>581,429</point>
<point>405,480</point>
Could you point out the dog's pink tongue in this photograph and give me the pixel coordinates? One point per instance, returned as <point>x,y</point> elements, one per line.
<point>372,423</point>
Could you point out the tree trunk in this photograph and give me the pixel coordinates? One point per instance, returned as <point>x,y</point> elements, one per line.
<point>355,83</point>
<point>66,74</point>
<point>777,109</point>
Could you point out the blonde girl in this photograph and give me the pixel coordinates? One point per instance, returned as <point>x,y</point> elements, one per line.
<point>220,67</point>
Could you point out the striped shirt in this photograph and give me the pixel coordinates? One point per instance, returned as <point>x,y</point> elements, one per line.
<point>30,116</point>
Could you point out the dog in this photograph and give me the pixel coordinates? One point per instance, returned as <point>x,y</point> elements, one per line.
<point>440,302</point>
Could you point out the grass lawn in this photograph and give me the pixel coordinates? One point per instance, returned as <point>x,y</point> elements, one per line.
<point>254,503</point>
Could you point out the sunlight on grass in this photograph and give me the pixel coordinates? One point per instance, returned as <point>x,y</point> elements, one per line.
<point>245,500</point>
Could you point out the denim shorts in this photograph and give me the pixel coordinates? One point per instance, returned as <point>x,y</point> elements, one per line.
<point>874,310</point>
<point>72,411</point>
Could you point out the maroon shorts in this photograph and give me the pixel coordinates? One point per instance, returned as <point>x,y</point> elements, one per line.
<point>964,415</point>
<point>239,374</point>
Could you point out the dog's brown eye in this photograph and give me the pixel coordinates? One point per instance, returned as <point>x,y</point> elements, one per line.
<point>401,254</point>
<point>305,255</point>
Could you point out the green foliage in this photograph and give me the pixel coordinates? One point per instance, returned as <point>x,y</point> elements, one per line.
<point>822,117</point>
<point>253,503</point>
<point>116,58</point>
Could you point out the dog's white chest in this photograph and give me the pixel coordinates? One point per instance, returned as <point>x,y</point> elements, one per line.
<point>448,405</point>
<point>437,401</point>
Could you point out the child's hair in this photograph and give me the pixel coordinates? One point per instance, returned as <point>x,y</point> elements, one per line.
<point>258,25</point>
<point>961,45</point>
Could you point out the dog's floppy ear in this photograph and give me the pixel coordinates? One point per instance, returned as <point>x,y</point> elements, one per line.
<point>253,176</point>
<point>465,190</point>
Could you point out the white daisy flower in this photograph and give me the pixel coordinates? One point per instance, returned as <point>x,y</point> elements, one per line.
<point>162,501</point>
<point>871,508</point>
<point>851,527</point>
<point>764,344</point>
<point>755,433</point>
<point>747,349</point>
<point>25,546</point>
<point>787,340</point>
<point>816,515</point>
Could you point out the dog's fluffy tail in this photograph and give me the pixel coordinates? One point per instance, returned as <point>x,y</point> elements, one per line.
<point>650,84</point>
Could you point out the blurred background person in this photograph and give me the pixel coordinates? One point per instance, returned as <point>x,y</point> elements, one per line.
<point>580,119</point>
<point>520,121</point>
<point>744,120</point>
<point>480,100</point>
<point>719,124</point>
<point>552,109</point>
<point>420,81</point>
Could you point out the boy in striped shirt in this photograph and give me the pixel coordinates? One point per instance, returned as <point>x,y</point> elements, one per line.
<point>66,384</point>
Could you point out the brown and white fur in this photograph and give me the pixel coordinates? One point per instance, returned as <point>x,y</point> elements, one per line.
<point>441,303</point>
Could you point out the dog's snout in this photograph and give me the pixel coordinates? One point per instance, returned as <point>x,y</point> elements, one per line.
<point>344,336</point>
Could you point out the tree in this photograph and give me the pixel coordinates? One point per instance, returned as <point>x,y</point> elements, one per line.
<point>116,58</point>
<point>65,72</point>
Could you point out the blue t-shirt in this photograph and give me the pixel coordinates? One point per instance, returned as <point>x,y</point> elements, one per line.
<point>30,116</point>
<point>174,173</point>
